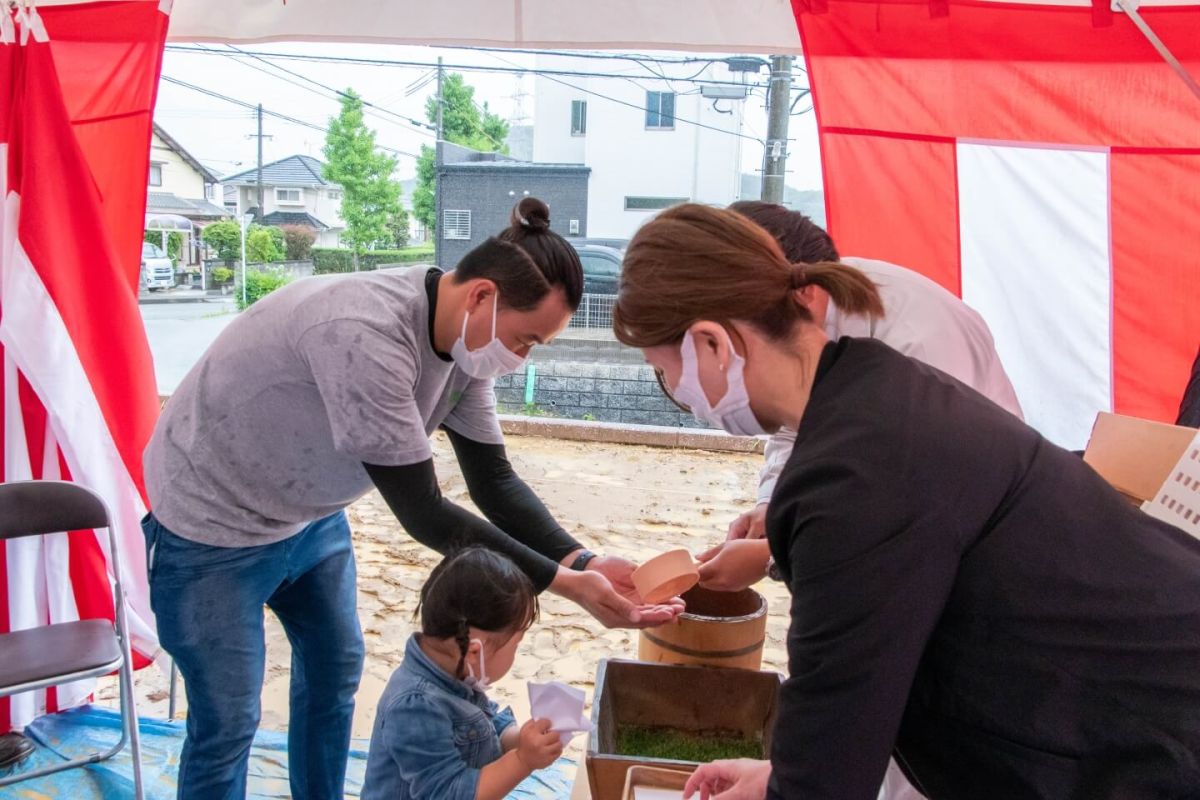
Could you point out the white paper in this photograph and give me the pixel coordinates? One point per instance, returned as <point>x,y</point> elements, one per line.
<point>562,705</point>
<point>1178,501</point>
<point>650,793</point>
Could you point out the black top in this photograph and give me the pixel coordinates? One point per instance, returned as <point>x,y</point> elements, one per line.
<point>518,523</point>
<point>978,599</point>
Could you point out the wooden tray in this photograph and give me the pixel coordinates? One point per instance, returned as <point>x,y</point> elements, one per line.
<point>655,778</point>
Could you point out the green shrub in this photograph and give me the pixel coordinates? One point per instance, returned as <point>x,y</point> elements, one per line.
<point>259,284</point>
<point>337,259</point>
<point>222,275</point>
<point>264,244</point>
<point>225,237</point>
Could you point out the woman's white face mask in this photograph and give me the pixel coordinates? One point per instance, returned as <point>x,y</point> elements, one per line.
<point>732,412</point>
<point>490,361</point>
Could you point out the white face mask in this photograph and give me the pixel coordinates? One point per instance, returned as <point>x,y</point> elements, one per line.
<point>489,361</point>
<point>480,681</point>
<point>732,412</point>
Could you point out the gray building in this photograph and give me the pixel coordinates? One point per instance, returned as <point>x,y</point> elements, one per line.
<point>478,191</point>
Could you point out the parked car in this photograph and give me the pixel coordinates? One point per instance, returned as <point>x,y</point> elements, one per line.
<point>158,270</point>
<point>603,241</point>
<point>601,267</point>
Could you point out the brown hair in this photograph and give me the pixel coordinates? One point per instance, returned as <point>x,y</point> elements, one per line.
<point>695,262</point>
<point>526,260</point>
<point>801,239</point>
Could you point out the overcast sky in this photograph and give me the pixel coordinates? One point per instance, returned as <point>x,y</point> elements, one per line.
<point>220,134</point>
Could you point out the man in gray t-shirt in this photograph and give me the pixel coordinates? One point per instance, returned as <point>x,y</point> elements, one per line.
<point>320,391</point>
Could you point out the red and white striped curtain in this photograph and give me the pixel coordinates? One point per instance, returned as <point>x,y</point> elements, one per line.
<point>1040,161</point>
<point>77,87</point>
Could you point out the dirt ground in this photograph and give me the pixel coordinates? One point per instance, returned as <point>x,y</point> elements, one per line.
<point>615,499</point>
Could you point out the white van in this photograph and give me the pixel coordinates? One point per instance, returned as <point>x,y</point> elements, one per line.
<point>158,270</point>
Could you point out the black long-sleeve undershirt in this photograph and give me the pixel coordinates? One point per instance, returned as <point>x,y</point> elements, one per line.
<point>520,526</point>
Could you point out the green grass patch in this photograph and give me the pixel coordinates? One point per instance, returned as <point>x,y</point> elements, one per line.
<point>677,745</point>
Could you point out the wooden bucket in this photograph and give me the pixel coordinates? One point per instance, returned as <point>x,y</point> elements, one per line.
<point>719,629</point>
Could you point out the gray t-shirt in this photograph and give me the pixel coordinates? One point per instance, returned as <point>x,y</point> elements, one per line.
<point>270,430</point>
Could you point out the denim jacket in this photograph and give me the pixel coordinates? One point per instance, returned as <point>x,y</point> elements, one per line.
<point>432,734</point>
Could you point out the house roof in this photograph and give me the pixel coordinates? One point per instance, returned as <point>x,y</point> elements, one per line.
<point>294,218</point>
<point>167,203</point>
<point>297,170</point>
<point>188,158</point>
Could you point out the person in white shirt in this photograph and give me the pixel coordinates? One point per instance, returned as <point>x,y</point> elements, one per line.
<point>921,320</point>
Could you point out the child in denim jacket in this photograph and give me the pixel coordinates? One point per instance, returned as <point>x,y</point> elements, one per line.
<point>436,734</point>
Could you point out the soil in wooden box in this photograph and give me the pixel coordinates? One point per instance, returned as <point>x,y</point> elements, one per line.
<point>698,746</point>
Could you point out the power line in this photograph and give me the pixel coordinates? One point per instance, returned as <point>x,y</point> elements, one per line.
<point>588,54</point>
<point>424,126</point>
<point>293,120</point>
<point>643,108</point>
<point>380,62</point>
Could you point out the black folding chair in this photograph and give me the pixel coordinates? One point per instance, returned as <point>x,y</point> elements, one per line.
<point>36,658</point>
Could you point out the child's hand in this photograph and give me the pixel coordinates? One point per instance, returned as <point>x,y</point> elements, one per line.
<point>539,746</point>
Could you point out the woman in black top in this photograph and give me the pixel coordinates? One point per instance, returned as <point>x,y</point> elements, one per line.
<point>965,595</point>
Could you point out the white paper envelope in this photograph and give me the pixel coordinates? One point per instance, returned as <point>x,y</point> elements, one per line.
<point>562,705</point>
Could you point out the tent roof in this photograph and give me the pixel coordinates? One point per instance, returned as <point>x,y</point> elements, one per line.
<point>753,26</point>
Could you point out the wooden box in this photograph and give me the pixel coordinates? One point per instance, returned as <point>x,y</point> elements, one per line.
<point>685,698</point>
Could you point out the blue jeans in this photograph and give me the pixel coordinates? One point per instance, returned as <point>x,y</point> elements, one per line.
<point>209,605</point>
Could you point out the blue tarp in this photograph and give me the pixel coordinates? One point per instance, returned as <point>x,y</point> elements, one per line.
<point>85,730</point>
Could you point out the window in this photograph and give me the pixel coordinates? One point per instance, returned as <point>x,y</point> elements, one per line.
<point>596,265</point>
<point>652,203</point>
<point>289,197</point>
<point>335,194</point>
<point>156,174</point>
<point>456,224</point>
<point>660,110</point>
<point>578,117</point>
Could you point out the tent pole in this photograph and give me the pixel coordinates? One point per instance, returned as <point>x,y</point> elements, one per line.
<point>1130,7</point>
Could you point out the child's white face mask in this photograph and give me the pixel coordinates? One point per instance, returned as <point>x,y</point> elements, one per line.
<point>481,681</point>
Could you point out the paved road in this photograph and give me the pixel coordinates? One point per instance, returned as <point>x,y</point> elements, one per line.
<point>179,333</point>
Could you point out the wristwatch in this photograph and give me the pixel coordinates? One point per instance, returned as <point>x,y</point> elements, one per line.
<point>581,561</point>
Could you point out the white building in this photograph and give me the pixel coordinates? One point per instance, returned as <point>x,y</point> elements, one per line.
<point>178,184</point>
<point>637,138</point>
<point>294,193</point>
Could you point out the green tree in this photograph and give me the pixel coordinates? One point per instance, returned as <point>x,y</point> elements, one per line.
<point>226,238</point>
<point>398,230</point>
<point>370,197</point>
<point>464,122</point>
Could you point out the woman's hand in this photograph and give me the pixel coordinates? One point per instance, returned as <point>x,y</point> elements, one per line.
<point>751,525</point>
<point>734,565</point>
<point>595,594</point>
<point>740,779</point>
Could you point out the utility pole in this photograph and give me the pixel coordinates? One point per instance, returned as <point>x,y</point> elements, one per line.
<point>779,107</point>
<point>261,209</point>
<point>437,169</point>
